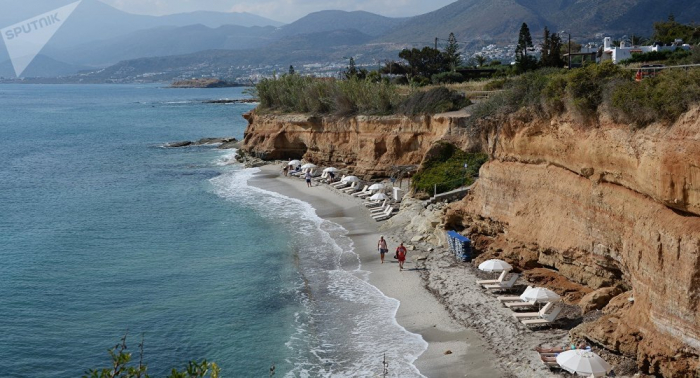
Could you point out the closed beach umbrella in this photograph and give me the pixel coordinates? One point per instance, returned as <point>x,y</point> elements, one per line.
<point>330,169</point>
<point>308,166</point>
<point>583,362</point>
<point>378,197</point>
<point>539,294</point>
<point>351,179</point>
<point>294,162</point>
<point>495,266</point>
<point>376,187</point>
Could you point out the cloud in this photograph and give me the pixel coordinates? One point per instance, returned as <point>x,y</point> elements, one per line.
<point>281,10</point>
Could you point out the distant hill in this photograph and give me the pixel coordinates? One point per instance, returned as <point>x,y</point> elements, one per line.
<point>41,66</point>
<point>365,22</point>
<point>500,20</point>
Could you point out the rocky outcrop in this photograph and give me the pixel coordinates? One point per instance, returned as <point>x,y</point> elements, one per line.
<point>605,206</point>
<point>371,145</point>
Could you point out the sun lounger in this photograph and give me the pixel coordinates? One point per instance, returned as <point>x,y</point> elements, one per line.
<point>385,215</point>
<point>547,319</point>
<point>364,195</point>
<point>364,190</point>
<point>340,183</point>
<point>350,189</point>
<point>379,210</point>
<point>500,279</point>
<point>375,204</point>
<point>512,298</point>
<point>521,304</point>
<point>532,315</point>
<point>505,284</point>
<point>550,362</point>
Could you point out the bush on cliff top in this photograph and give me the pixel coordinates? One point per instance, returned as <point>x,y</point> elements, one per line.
<point>443,168</point>
<point>301,94</point>
<point>588,91</point>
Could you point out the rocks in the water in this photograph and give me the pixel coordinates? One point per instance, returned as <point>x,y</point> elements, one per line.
<point>179,144</point>
<point>229,145</point>
<point>204,141</point>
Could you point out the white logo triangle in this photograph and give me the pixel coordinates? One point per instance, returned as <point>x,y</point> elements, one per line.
<point>25,40</point>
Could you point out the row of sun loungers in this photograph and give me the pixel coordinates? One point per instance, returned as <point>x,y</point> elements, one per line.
<point>545,316</point>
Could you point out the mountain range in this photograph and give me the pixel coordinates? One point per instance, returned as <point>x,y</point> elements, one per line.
<point>99,35</point>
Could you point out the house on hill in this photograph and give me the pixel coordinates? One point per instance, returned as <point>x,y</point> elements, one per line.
<point>625,50</point>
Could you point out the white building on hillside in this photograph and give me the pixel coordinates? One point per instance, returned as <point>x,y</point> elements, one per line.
<point>626,50</point>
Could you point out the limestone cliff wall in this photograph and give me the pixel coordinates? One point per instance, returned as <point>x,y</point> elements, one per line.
<point>371,145</point>
<point>605,206</point>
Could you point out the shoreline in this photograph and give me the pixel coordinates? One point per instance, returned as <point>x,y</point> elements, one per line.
<point>453,349</point>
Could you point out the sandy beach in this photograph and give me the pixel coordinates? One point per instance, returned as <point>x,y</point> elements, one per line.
<point>454,350</point>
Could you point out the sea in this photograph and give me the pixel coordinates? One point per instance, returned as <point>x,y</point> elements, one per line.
<point>105,234</point>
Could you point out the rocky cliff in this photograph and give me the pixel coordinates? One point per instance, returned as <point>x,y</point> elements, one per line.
<point>370,145</point>
<point>605,206</point>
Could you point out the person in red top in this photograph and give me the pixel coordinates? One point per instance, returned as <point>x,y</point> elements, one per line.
<point>401,255</point>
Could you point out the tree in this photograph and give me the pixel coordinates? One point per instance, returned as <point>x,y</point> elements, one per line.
<point>551,50</point>
<point>452,54</point>
<point>291,70</point>
<point>121,359</point>
<point>524,62</point>
<point>480,60</point>
<point>351,72</point>
<point>426,62</point>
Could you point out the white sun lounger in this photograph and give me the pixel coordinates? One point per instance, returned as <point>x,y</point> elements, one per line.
<point>364,190</point>
<point>512,298</point>
<point>385,215</point>
<point>379,210</point>
<point>521,304</point>
<point>505,284</point>
<point>374,204</point>
<point>350,189</point>
<point>500,279</point>
<point>543,320</point>
<point>533,315</point>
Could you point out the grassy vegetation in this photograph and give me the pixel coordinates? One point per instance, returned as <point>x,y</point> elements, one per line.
<point>444,167</point>
<point>593,90</point>
<point>300,94</point>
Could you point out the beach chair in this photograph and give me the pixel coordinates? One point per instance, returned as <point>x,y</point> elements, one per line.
<point>364,190</point>
<point>544,320</point>
<point>534,315</point>
<point>521,304</point>
<point>385,215</point>
<point>550,362</point>
<point>375,204</point>
<point>500,279</point>
<point>322,178</point>
<point>379,210</point>
<point>351,188</point>
<point>340,183</point>
<point>512,298</point>
<point>505,284</point>
<point>366,194</point>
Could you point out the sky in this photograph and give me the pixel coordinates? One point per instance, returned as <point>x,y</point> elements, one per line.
<point>280,10</point>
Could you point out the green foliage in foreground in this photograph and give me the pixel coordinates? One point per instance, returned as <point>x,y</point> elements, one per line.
<point>301,94</point>
<point>658,56</point>
<point>121,368</point>
<point>444,167</point>
<point>594,90</point>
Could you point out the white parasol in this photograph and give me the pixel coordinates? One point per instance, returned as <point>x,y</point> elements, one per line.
<point>583,362</point>
<point>308,166</point>
<point>351,179</point>
<point>294,162</point>
<point>378,197</point>
<point>376,187</point>
<point>539,294</point>
<point>495,266</point>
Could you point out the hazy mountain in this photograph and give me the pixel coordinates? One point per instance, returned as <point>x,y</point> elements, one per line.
<point>473,20</point>
<point>41,66</point>
<point>94,20</point>
<point>368,23</point>
<point>164,41</point>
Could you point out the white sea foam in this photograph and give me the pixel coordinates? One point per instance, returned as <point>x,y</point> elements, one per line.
<point>347,324</point>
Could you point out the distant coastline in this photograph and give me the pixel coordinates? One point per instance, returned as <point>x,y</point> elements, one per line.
<point>205,83</point>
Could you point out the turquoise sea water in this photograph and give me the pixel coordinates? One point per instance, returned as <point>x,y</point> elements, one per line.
<point>102,231</point>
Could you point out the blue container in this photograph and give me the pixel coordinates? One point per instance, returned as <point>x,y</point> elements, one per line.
<point>460,245</point>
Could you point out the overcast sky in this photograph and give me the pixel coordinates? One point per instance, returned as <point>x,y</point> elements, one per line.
<point>280,10</point>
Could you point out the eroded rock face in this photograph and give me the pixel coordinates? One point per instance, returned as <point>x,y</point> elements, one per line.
<point>372,145</point>
<point>605,206</point>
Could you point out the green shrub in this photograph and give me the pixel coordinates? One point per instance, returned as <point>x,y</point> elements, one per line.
<point>662,98</point>
<point>436,100</point>
<point>447,78</point>
<point>444,167</point>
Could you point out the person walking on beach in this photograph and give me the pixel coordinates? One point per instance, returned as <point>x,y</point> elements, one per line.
<point>401,255</point>
<point>285,169</point>
<point>307,176</point>
<point>383,249</point>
